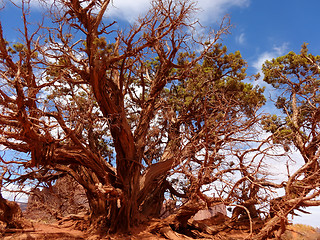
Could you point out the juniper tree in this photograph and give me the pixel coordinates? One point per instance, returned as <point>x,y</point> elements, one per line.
<point>124,112</point>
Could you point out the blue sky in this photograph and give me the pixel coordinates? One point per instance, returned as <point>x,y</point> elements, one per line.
<point>261,30</point>
<point>267,29</point>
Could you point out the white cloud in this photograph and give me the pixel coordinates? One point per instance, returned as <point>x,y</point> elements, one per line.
<point>214,10</point>
<point>241,39</point>
<point>262,58</point>
<point>210,10</point>
<point>14,192</point>
<point>281,49</point>
<point>276,51</point>
<point>129,10</point>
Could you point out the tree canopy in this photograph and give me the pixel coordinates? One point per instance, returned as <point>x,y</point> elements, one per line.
<point>154,112</point>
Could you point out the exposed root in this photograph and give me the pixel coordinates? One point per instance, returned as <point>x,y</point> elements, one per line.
<point>78,222</point>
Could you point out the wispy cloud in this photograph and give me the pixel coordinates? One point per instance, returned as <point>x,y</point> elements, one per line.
<point>214,10</point>
<point>210,11</point>
<point>275,52</point>
<point>128,10</point>
<point>262,58</point>
<point>240,39</point>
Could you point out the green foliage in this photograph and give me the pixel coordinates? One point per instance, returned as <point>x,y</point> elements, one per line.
<point>18,47</point>
<point>299,72</point>
<point>282,134</point>
<point>272,123</point>
<point>296,79</point>
<point>100,42</point>
<point>218,79</point>
<point>103,48</point>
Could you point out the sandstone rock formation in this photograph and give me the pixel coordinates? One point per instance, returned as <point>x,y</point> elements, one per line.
<point>65,197</point>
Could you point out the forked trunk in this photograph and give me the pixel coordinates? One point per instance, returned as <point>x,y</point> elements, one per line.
<point>120,213</point>
<point>113,210</point>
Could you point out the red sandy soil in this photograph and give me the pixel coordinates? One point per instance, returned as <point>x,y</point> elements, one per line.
<point>46,232</point>
<point>41,231</point>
